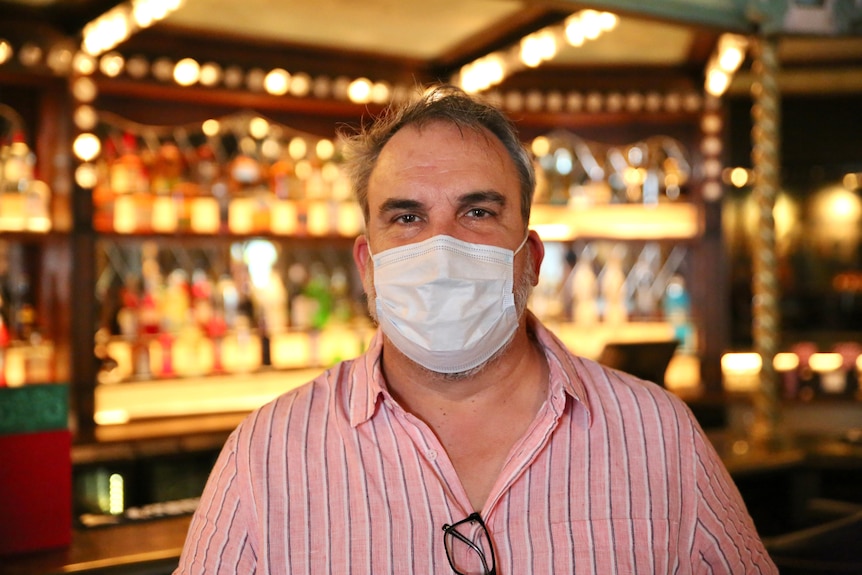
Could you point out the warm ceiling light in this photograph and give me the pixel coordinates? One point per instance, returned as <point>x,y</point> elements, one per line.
<point>258,127</point>
<point>359,91</point>
<point>107,31</point>
<point>83,64</point>
<point>120,22</point>
<point>739,177</point>
<point>541,146</point>
<point>84,89</point>
<point>85,117</point>
<point>324,149</point>
<point>300,84</point>
<point>86,147</point>
<point>531,51</point>
<point>211,74</point>
<point>30,54</point>
<point>112,64</point>
<point>591,22</point>
<point>380,92</point>
<point>5,51</point>
<point>86,176</point>
<point>297,148</point>
<point>211,127</point>
<point>187,72</point>
<point>717,81</point>
<point>574,31</point>
<point>608,21</point>
<point>277,82</point>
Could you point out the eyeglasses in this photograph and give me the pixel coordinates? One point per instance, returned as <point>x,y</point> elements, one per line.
<point>468,547</point>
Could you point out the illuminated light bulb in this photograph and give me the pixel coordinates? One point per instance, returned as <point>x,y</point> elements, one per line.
<point>591,21</point>
<point>359,91</point>
<point>300,85</point>
<point>324,149</point>
<point>608,21</point>
<point>258,127</point>
<point>739,177</point>
<point>730,59</point>
<point>380,92</point>
<point>187,72</point>
<point>6,51</point>
<point>59,59</point>
<point>233,77</point>
<point>137,67</point>
<point>717,81</point>
<point>303,169</point>
<point>254,80</point>
<point>107,31</point>
<point>321,87</point>
<point>86,147</point>
<point>112,64</point>
<point>540,146</point>
<point>297,148</point>
<point>211,74</point>
<point>83,63</point>
<point>741,362</point>
<point>85,117</point>
<point>277,82</point>
<point>84,89</point>
<point>785,361</point>
<point>211,127</point>
<point>86,176</point>
<point>163,69</point>
<point>30,54</point>
<point>340,87</point>
<point>547,43</point>
<point>825,361</point>
<point>574,30</point>
<point>531,51</point>
<point>270,149</point>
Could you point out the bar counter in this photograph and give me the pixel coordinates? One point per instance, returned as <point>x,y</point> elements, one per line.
<point>153,547</point>
<point>140,548</point>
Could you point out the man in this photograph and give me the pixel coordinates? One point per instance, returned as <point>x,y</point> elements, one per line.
<point>467,439</point>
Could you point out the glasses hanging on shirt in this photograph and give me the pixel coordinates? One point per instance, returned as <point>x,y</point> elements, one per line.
<point>468,547</point>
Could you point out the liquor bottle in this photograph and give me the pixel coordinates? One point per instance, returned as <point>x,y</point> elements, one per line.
<point>17,175</point>
<point>19,165</point>
<point>129,184</point>
<point>677,310</point>
<point>584,291</point>
<point>613,289</point>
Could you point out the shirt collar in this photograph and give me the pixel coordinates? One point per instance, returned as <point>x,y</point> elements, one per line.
<point>367,385</point>
<point>366,382</point>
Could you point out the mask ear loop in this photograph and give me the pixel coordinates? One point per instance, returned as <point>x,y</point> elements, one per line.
<point>523,242</point>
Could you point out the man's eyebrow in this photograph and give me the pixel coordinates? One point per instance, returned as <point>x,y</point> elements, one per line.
<point>396,204</point>
<point>482,197</point>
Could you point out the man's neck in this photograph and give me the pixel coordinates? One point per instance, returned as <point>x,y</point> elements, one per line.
<point>515,380</point>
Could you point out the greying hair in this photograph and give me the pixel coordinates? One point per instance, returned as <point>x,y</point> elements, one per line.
<point>442,104</point>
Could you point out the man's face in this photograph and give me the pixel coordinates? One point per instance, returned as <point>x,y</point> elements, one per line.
<point>441,180</point>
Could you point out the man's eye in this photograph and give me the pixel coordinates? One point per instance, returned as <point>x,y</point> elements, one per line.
<point>478,213</point>
<point>407,218</point>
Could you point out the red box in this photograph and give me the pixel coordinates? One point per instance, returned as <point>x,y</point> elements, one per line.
<point>35,491</point>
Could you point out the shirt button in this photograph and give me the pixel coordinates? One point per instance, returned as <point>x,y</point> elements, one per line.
<point>432,454</point>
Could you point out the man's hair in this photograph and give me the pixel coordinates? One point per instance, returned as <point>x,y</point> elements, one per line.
<point>447,104</point>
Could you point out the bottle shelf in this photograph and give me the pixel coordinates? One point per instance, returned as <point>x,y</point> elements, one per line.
<point>669,222</point>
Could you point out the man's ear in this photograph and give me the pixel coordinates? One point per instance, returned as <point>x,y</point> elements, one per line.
<point>361,255</point>
<point>537,252</point>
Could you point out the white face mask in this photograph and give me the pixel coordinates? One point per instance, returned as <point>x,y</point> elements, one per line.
<point>446,304</point>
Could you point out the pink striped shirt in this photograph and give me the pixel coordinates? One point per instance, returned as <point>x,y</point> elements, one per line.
<point>614,476</point>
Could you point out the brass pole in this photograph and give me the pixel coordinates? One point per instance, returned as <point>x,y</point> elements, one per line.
<point>766,160</point>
